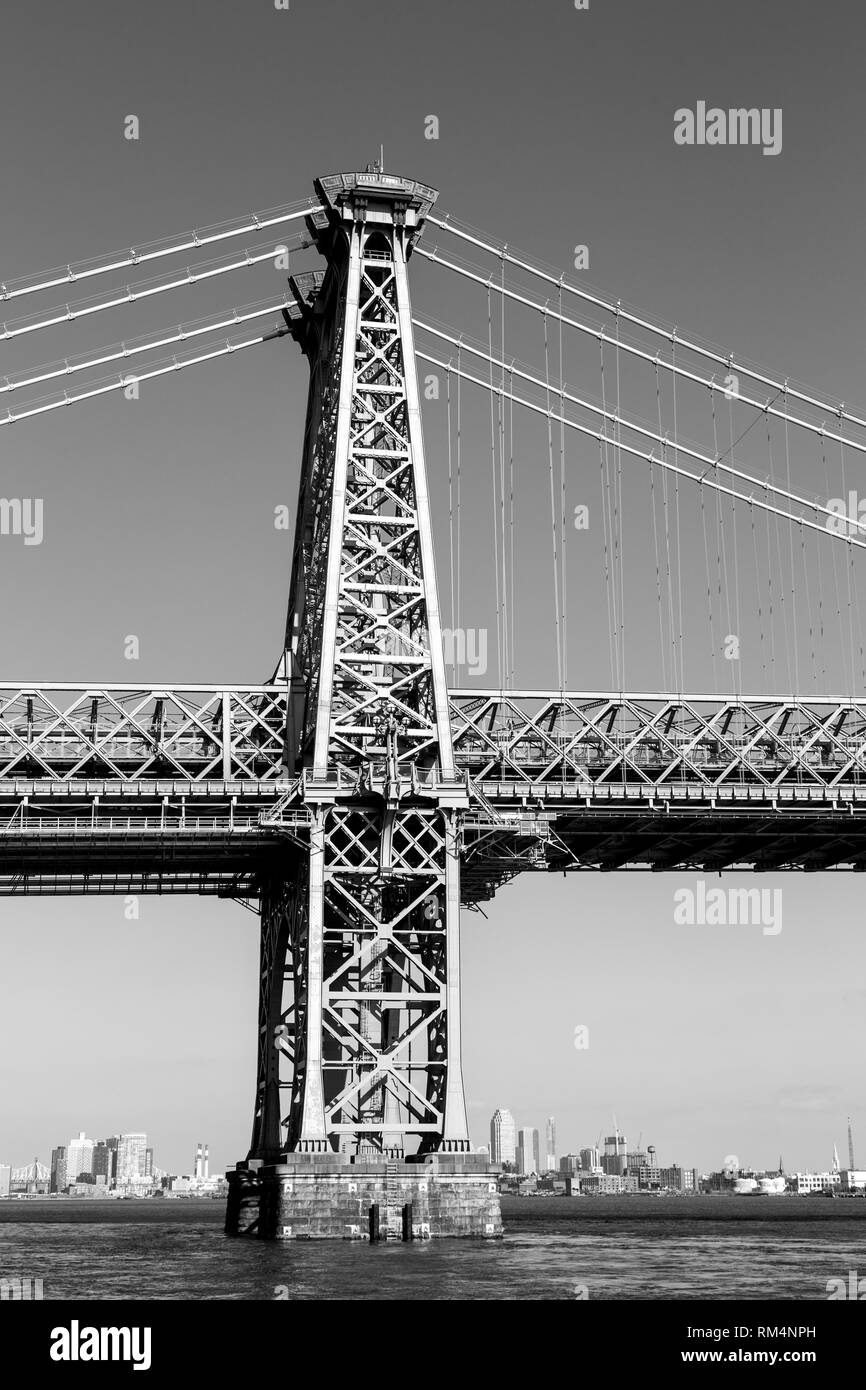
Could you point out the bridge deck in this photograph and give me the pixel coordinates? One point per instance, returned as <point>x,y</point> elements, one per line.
<point>183,788</point>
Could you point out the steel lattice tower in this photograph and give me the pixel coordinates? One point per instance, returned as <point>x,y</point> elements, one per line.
<point>360,976</point>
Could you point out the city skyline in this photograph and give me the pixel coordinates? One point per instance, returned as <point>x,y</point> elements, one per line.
<point>715,1048</point>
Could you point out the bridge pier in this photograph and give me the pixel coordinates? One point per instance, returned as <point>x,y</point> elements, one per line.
<point>336,1196</point>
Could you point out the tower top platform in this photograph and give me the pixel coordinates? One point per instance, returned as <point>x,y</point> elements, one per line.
<point>374,196</point>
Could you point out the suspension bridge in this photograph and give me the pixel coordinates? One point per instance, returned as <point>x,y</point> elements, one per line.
<point>358,798</point>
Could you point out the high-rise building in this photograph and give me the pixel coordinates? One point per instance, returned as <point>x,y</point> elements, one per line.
<point>590,1160</point>
<point>103,1162</point>
<point>615,1157</point>
<point>148,1163</point>
<point>551,1142</point>
<point>131,1157</point>
<point>57,1181</point>
<point>5,1179</point>
<point>569,1164</point>
<point>528,1160</point>
<point>502,1137</point>
<point>79,1159</point>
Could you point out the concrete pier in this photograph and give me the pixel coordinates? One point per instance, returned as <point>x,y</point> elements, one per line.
<point>335,1196</point>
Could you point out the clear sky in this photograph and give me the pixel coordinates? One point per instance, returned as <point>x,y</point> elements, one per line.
<point>555,129</point>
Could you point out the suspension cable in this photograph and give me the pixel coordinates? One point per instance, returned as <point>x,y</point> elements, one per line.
<point>611,570</point>
<point>593,331</point>
<point>836,591</point>
<point>174,366</point>
<point>610,624</point>
<point>552,509</point>
<point>563,530</point>
<point>116,351</point>
<point>154,250</point>
<point>143,289</point>
<point>710,464</point>
<point>448,224</point>
<point>721,544</point>
<point>736,554</point>
<point>647,458</point>
<point>506,664</point>
<point>662,648</point>
<point>451,521</point>
<point>493,477</point>
<point>620,520</point>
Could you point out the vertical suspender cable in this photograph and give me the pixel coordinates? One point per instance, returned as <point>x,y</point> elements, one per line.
<point>563,530</point>
<point>511,646</point>
<point>610,622</point>
<point>784,611</point>
<point>506,664</point>
<point>760,601</point>
<point>677,502</point>
<point>737,667</point>
<point>493,479</point>
<point>709,587</point>
<point>671,624</point>
<point>610,571</point>
<point>791,553</point>
<point>620,520</point>
<point>721,551</point>
<point>552,503</point>
<point>451,518</point>
<point>459,511</point>
<point>850,685</point>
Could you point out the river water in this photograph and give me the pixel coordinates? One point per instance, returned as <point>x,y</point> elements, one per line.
<point>554,1248</point>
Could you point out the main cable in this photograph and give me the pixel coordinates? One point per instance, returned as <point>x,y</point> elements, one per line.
<point>153,250</point>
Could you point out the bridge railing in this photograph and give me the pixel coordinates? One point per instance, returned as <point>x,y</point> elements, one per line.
<point>205,734</point>
<point>712,741</point>
<point>64,732</point>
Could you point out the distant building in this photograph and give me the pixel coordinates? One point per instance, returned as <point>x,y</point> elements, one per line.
<point>551,1142</point>
<point>103,1162</point>
<point>148,1163</point>
<point>853,1180</point>
<point>57,1181</point>
<point>131,1157</point>
<point>614,1160</point>
<point>502,1137</point>
<point>649,1177</point>
<point>607,1184</point>
<point>79,1159</point>
<point>677,1179</point>
<point>590,1160</point>
<point>5,1179</point>
<point>528,1159</point>
<point>804,1183</point>
<point>569,1164</point>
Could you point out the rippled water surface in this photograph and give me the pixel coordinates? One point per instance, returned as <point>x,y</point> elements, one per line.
<point>618,1248</point>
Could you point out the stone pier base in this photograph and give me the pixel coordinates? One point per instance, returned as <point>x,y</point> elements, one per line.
<point>347,1197</point>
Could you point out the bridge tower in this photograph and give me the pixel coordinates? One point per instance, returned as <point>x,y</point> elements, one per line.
<point>360,1119</point>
